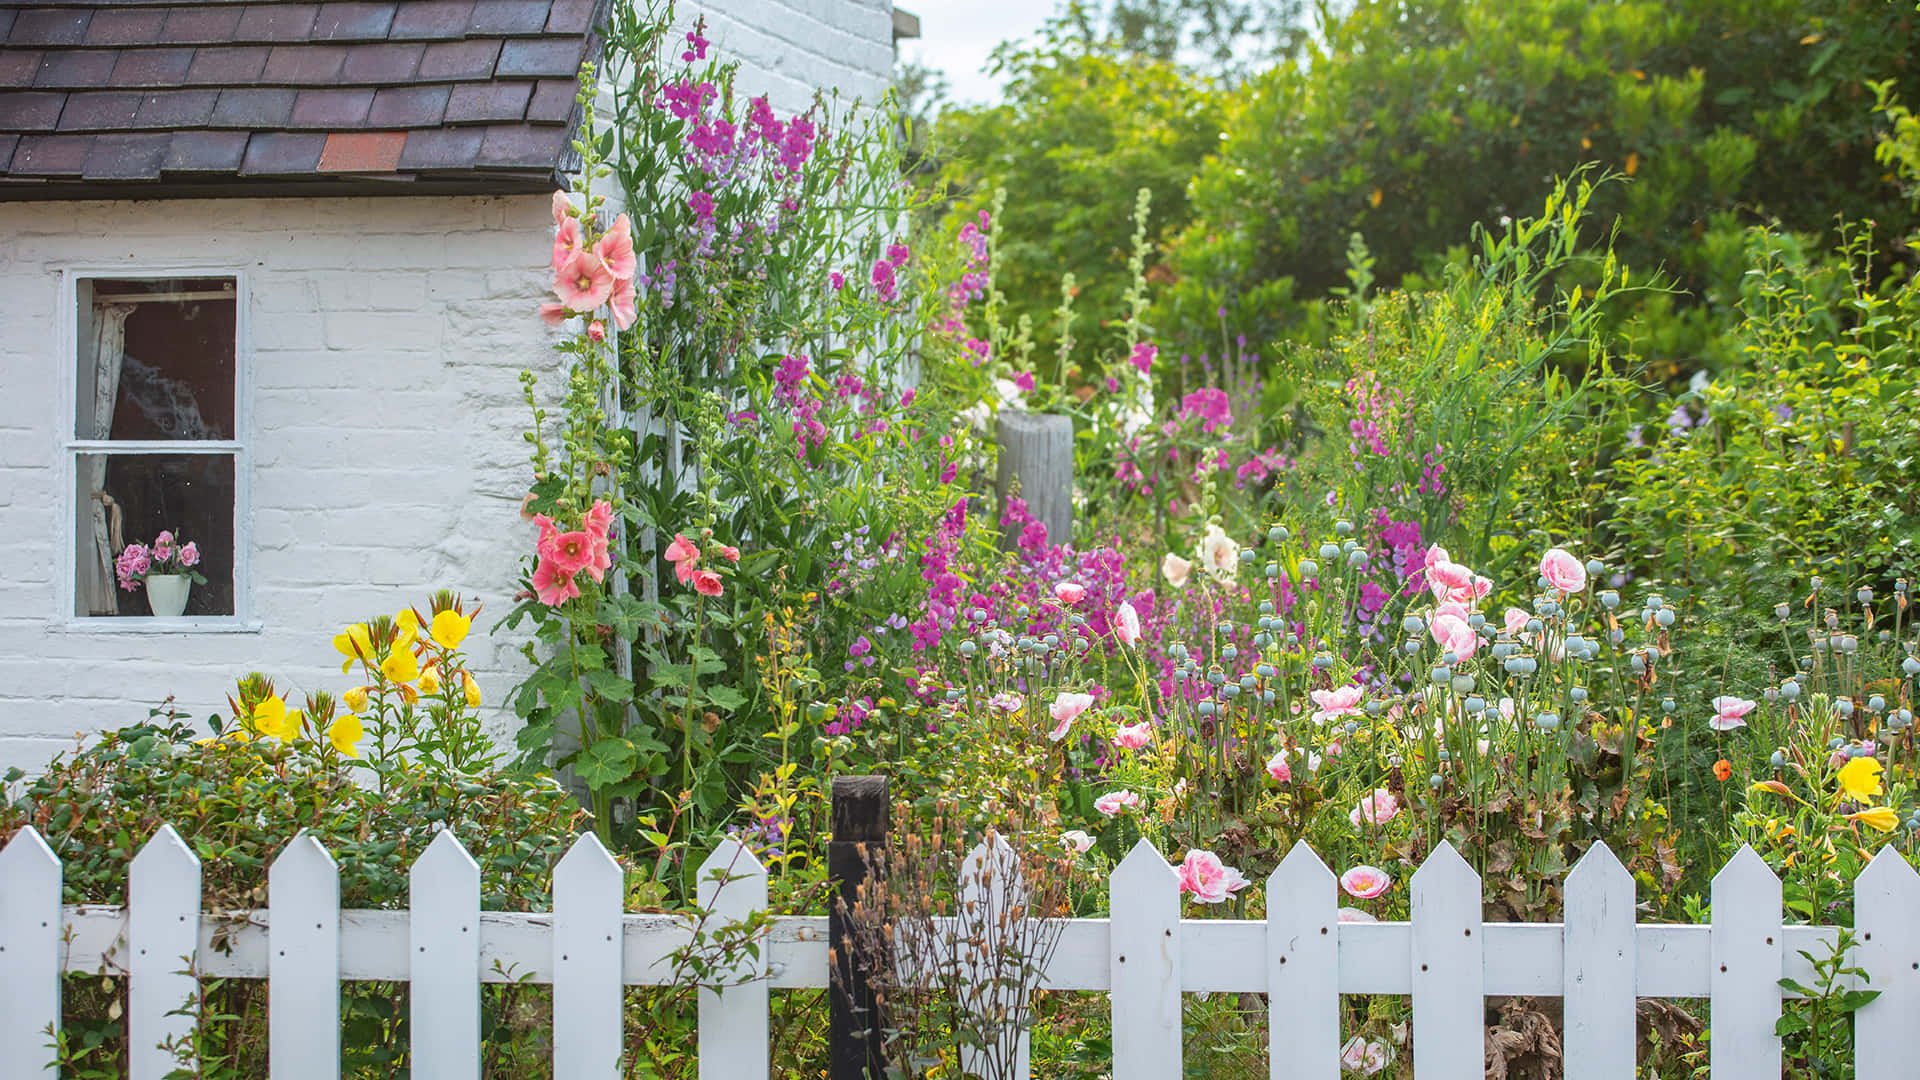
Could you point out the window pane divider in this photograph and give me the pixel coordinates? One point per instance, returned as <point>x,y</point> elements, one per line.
<point>154,446</point>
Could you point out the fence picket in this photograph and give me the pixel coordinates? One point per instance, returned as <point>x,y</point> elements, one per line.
<point>588,992</point>
<point>29,957</point>
<point>1303,968</point>
<point>163,936</point>
<point>1885,897</point>
<point>303,966</point>
<point>1744,969</point>
<point>1143,955</point>
<point>989,885</point>
<point>444,934</point>
<point>1598,957</point>
<point>734,1021</point>
<point>1449,977</point>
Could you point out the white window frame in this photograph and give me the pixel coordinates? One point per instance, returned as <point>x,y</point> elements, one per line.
<point>242,621</point>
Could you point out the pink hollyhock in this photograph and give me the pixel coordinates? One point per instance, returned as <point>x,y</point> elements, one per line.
<point>1126,624</point>
<point>683,554</point>
<point>1453,634</point>
<point>190,554</point>
<point>568,240</point>
<point>1730,713</point>
<point>1563,571</point>
<point>706,583</point>
<point>553,314</point>
<point>583,282</point>
<point>1207,879</point>
<point>615,248</point>
<point>1133,737</point>
<point>1064,710</point>
<point>1376,809</point>
<point>163,546</point>
<point>571,552</point>
<point>1069,592</point>
<point>599,527</point>
<point>1116,802</point>
<point>1342,701</point>
<point>1278,768</point>
<point>551,585</point>
<point>562,207</point>
<point>625,304</point>
<point>731,554</point>
<point>597,330</point>
<point>1365,882</point>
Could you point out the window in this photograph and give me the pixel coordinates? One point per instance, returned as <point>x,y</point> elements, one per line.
<point>156,441</point>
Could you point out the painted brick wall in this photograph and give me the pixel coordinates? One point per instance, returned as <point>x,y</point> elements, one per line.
<point>787,48</point>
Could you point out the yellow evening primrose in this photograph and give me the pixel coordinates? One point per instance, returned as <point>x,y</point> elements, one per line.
<point>400,666</point>
<point>406,627</point>
<point>1860,778</point>
<point>356,699</point>
<point>1884,818</point>
<point>354,643</point>
<point>271,718</point>
<point>449,628</point>
<point>345,732</point>
<point>430,681</point>
<point>472,688</point>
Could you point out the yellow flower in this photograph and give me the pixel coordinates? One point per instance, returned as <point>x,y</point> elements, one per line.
<point>400,666</point>
<point>1884,818</point>
<point>356,699</point>
<point>473,689</point>
<point>271,718</point>
<point>430,681</point>
<point>345,732</point>
<point>354,643</point>
<point>1860,778</point>
<point>406,626</point>
<point>450,628</point>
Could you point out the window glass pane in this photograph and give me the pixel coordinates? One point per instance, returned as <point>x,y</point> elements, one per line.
<point>189,495</point>
<point>156,359</point>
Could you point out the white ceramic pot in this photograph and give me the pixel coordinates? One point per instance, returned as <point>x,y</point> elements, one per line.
<point>167,594</point>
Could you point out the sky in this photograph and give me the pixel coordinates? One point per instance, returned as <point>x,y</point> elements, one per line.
<point>957,35</point>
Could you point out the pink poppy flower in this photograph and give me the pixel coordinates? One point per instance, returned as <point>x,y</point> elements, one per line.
<point>1116,802</point>
<point>1436,555</point>
<point>552,586</point>
<point>1064,710</point>
<point>1450,581</point>
<point>1365,882</point>
<point>1453,634</point>
<point>1077,841</point>
<point>1354,915</point>
<point>1730,713</point>
<point>1207,879</point>
<point>1375,809</point>
<point>190,554</point>
<point>624,303</point>
<point>1342,701</point>
<point>615,248</point>
<point>706,583</point>
<point>1365,1056</point>
<point>1278,768</point>
<point>1068,592</point>
<point>1516,621</point>
<point>1563,571</point>
<point>1126,624</point>
<point>568,241</point>
<point>1134,736</point>
<point>583,282</point>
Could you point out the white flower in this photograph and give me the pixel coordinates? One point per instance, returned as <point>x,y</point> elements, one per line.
<point>1175,569</point>
<point>1078,840</point>
<point>976,415</point>
<point>1219,555</point>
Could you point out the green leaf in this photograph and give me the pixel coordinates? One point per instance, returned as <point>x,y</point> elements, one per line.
<point>606,762</point>
<point>725,697</point>
<point>609,685</point>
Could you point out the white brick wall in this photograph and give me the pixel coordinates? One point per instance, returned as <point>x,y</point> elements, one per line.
<point>387,336</point>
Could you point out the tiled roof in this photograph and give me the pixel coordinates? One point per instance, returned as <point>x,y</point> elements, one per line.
<point>131,98</point>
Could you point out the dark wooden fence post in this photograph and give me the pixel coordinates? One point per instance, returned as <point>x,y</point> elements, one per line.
<point>1037,450</point>
<point>856,1030</point>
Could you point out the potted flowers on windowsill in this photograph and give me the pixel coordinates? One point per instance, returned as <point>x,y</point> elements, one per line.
<point>165,567</point>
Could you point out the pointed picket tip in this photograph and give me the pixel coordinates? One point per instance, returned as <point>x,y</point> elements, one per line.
<point>26,849</point>
<point>1302,866</point>
<point>733,859</point>
<point>304,853</point>
<point>1143,855</point>
<point>1444,864</point>
<point>1601,867</point>
<point>1746,868</point>
<point>164,849</point>
<point>1890,871</point>
<point>445,855</point>
<point>586,856</point>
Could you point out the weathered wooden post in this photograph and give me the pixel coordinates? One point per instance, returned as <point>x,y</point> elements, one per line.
<point>856,1030</point>
<point>1037,451</point>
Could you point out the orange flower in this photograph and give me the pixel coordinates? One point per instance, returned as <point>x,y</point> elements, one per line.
<point>1722,769</point>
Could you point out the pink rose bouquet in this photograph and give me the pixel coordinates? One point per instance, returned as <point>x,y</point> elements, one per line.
<point>164,557</point>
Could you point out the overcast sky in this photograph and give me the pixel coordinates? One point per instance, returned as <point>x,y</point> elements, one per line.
<point>957,35</point>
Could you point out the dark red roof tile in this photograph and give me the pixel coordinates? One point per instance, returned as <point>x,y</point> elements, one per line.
<point>277,22</point>
<point>553,101</point>
<point>30,111</point>
<point>442,149</point>
<point>570,17</point>
<point>100,110</point>
<point>518,146</point>
<point>126,157</point>
<point>236,66</point>
<point>201,25</point>
<point>541,56</point>
<point>126,26</point>
<point>253,107</point>
<point>362,151</point>
<point>78,68</point>
<point>18,67</point>
<point>335,108</point>
<point>479,103</point>
<point>50,155</point>
<point>459,60</point>
<point>508,17</point>
<point>408,106</point>
<point>431,19</point>
<point>307,65</point>
<point>353,22</point>
<point>388,62</point>
<point>50,26</point>
<point>282,153</point>
<point>205,151</point>
<point>152,67</point>
<point>7,143</point>
<point>176,109</point>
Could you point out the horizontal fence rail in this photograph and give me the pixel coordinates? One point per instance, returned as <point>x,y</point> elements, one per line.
<point>1599,961</point>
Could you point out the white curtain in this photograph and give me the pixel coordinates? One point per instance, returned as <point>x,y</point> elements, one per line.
<point>109,348</point>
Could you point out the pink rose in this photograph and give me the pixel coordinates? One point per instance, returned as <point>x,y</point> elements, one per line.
<point>1116,802</point>
<point>1342,701</point>
<point>1563,571</point>
<point>1375,809</point>
<point>1133,737</point>
<point>163,546</point>
<point>1126,624</point>
<point>190,554</point>
<point>1365,882</point>
<point>1730,713</point>
<point>1210,881</point>
<point>1064,710</point>
<point>1278,768</point>
<point>1069,592</point>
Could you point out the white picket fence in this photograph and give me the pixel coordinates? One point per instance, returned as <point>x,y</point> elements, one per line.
<point>1302,956</point>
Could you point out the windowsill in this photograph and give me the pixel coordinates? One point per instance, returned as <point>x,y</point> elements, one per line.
<point>148,624</point>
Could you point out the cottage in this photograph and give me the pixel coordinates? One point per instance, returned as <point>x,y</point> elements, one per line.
<point>270,274</point>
